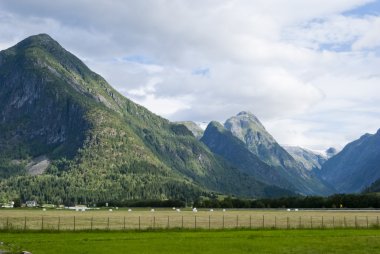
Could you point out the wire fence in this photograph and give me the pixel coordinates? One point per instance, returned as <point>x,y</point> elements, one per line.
<point>73,223</point>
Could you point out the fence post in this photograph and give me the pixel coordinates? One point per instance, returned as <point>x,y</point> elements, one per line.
<point>275,222</point>
<point>322,222</point>
<point>287,222</point>
<point>74,223</point>
<point>263,222</point>
<point>124,223</point>
<point>356,222</point>
<point>108,223</point>
<point>367,220</point>
<point>377,221</point>
<point>333,222</point>
<point>168,222</point>
<point>344,221</point>
<point>154,222</point>
<point>59,223</point>
<point>195,222</point>
<point>7,223</point>
<point>25,223</point>
<point>237,221</point>
<point>311,221</point>
<point>300,222</point>
<point>182,222</point>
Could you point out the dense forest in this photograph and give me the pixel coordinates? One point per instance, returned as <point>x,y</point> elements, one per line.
<point>365,200</point>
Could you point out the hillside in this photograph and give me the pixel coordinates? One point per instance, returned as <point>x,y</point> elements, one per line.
<point>87,143</point>
<point>250,130</point>
<point>357,166</point>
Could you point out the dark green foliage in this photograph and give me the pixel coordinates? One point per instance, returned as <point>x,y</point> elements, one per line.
<point>147,203</point>
<point>10,168</point>
<point>334,201</point>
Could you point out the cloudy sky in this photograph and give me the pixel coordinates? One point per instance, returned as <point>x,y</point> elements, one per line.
<point>308,69</point>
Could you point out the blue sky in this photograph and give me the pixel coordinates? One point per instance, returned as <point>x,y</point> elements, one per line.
<point>372,8</point>
<point>307,69</point>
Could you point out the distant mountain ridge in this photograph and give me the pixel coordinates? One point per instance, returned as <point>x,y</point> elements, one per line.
<point>309,159</point>
<point>194,128</point>
<point>356,166</point>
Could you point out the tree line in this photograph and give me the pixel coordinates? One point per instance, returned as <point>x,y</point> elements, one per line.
<point>365,200</point>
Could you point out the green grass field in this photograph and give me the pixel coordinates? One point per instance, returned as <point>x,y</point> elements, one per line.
<point>219,242</point>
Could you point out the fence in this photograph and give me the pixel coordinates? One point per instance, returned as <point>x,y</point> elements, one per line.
<point>185,222</point>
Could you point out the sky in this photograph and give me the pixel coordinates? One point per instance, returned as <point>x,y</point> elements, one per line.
<point>309,70</point>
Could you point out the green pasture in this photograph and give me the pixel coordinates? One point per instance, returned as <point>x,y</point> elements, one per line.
<point>219,242</point>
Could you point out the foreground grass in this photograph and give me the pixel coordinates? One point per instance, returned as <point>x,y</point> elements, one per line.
<point>234,241</point>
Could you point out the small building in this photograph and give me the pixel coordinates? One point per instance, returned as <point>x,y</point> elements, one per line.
<point>10,204</point>
<point>31,203</point>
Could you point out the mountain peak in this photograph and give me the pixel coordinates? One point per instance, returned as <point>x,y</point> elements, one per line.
<point>40,37</point>
<point>249,115</point>
<point>39,40</point>
<point>244,113</point>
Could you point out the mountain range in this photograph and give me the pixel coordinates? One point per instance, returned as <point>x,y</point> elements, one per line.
<point>66,136</point>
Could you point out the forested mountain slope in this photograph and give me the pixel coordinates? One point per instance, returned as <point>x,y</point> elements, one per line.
<point>67,136</point>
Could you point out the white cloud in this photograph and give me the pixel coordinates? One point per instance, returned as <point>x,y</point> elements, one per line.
<point>301,66</point>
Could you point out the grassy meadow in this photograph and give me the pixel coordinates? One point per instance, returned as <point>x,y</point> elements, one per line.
<point>203,241</point>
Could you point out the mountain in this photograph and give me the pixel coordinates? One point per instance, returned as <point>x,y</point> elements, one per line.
<point>374,187</point>
<point>250,130</point>
<point>356,166</point>
<point>309,159</point>
<point>222,142</point>
<point>66,136</point>
<point>330,152</point>
<point>194,128</point>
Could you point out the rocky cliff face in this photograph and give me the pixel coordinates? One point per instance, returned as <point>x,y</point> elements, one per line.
<point>225,144</point>
<point>249,130</point>
<point>356,166</point>
<point>28,83</point>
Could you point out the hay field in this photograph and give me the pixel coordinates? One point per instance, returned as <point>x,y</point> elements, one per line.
<point>144,218</point>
